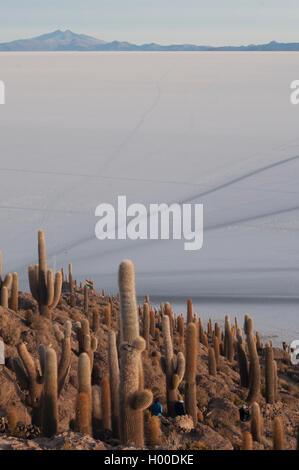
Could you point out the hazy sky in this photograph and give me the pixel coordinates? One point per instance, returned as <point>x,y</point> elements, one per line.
<point>212,22</point>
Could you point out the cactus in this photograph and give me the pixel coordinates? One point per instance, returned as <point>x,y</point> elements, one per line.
<point>97,423</point>
<point>212,362</point>
<point>269,374</point>
<point>146,325</point>
<point>243,365</point>
<point>114,381</point>
<point>107,315</point>
<point>50,394</point>
<point>84,374</point>
<point>132,399</point>
<point>217,331</point>
<point>254,365</point>
<point>153,430</point>
<point>152,323</point>
<point>256,422</point>
<point>85,300</point>
<point>4,283</point>
<point>12,419</point>
<point>216,347</point>
<point>83,413</point>
<point>71,283</point>
<point>95,320</point>
<point>128,305</point>
<point>190,373</point>
<point>228,340</point>
<point>180,328</point>
<point>259,345</point>
<point>275,381</point>
<point>106,404</point>
<point>246,441</point>
<point>189,311</point>
<point>277,434</point>
<point>32,378</point>
<point>43,288</point>
<point>14,297</point>
<point>210,328</point>
<point>65,358</point>
<point>4,297</point>
<point>168,312</point>
<point>87,342</point>
<point>173,367</point>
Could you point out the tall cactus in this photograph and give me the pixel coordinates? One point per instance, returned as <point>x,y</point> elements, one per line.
<point>43,288</point>
<point>83,413</point>
<point>269,374</point>
<point>254,367</point>
<point>256,422</point>
<point>189,311</point>
<point>190,373</point>
<point>212,362</point>
<point>173,367</point>
<point>14,296</point>
<point>153,324</point>
<point>146,325</point>
<point>128,305</point>
<point>106,403</point>
<point>4,297</point>
<point>278,438</point>
<point>181,328</point>
<point>228,340</point>
<point>114,381</point>
<point>4,283</point>
<point>242,360</point>
<point>132,399</point>
<point>50,394</point>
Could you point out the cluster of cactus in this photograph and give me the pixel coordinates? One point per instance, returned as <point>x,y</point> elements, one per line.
<point>190,373</point>
<point>87,342</point>
<point>173,367</point>
<point>4,285</point>
<point>44,383</point>
<point>43,288</point>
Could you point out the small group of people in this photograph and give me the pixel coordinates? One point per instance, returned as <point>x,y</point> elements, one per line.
<point>156,408</point>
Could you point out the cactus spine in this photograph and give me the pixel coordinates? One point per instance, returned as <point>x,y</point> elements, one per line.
<point>50,394</point>
<point>43,288</point>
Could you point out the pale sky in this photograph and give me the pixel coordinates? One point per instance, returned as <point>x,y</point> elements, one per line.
<point>207,22</point>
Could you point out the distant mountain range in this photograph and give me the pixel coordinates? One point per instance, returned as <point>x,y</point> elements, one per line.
<point>69,41</point>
